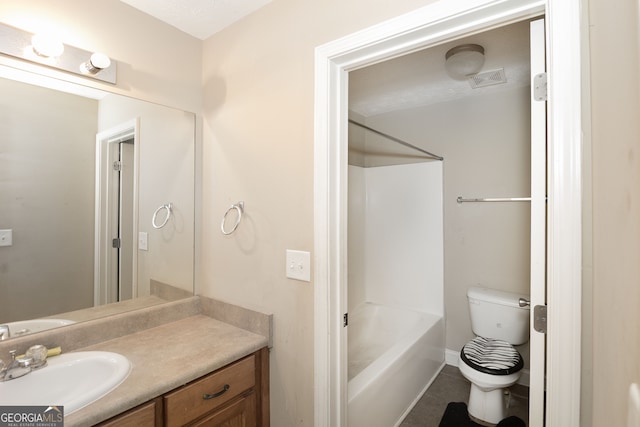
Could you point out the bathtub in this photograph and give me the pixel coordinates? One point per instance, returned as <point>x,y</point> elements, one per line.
<point>394,355</point>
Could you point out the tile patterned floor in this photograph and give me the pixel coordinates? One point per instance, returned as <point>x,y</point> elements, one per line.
<point>451,386</point>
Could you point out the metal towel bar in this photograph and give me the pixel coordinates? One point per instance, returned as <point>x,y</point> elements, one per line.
<point>460,199</point>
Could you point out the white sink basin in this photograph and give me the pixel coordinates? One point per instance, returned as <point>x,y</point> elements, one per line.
<point>72,380</point>
<point>24,327</point>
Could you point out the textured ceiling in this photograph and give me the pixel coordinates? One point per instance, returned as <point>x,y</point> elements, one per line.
<point>200,18</point>
<point>420,78</point>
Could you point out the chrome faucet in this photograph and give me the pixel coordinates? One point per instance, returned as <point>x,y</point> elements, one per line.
<point>5,333</point>
<point>16,368</point>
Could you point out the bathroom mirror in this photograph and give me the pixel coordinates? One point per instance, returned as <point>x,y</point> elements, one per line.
<point>97,194</point>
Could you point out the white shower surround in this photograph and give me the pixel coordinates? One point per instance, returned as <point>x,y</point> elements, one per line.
<point>396,289</point>
<point>396,236</point>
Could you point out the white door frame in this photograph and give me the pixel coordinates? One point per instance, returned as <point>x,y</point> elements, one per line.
<point>430,25</point>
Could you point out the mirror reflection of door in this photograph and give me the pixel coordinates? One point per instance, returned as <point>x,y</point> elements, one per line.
<point>122,285</point>
<point>120,164</point>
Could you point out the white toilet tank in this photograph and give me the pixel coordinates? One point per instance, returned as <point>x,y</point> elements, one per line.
<point>497,314</point>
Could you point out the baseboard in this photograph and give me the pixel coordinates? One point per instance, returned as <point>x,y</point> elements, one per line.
<point>451,358</point>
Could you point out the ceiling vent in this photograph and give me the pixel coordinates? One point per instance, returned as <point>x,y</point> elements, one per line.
<point>487,78</point>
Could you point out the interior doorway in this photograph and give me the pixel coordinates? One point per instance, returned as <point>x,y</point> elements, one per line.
<point>483,126</point>
<point>426,27</point>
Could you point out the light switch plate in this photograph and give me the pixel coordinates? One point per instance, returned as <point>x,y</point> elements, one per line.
<point>633,417</point>
<point>6,237</point>
<point>298,265</point>
<point>143,241</point>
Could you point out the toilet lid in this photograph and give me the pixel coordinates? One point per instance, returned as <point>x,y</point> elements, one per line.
<point>491,356</point>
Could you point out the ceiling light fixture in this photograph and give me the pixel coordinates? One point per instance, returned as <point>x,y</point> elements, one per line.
<point>464,60</point>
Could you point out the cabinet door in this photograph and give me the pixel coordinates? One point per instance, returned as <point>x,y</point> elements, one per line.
<point>241,413</point>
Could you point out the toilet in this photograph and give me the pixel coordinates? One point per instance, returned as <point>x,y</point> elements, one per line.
<point>489,360</point>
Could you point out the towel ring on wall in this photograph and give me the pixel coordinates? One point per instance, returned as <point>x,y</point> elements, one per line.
<point>168,207</point>
<point>238,207</point>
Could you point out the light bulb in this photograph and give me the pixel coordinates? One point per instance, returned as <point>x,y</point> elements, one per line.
<point>97,62</point>
<point>46,46</point>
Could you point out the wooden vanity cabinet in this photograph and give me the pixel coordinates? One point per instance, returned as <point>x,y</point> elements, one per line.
<point>236,395</point>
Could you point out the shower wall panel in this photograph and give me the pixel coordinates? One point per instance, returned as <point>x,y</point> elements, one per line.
<point>396,236</point>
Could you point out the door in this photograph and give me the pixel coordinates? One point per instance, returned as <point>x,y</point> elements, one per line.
<point>537,340</point>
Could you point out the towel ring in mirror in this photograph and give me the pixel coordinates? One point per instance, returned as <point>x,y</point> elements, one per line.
<point>154,222</point>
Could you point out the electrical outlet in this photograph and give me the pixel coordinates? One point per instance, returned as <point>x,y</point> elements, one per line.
<point>298,265</point>
<point>6,237</point>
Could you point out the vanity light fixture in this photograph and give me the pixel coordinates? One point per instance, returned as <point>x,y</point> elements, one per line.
<point>45,50</point>
<point>464,61</point>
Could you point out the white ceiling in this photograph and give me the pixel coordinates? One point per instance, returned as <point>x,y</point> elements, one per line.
<point>200,18</point>
<point>420,78</point>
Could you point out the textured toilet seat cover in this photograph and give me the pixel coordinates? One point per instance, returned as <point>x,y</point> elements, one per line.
<point>491,356</point>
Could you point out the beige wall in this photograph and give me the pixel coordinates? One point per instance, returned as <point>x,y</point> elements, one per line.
<point>258,147</point>
<point>47,165</point>
<point>615,134</point>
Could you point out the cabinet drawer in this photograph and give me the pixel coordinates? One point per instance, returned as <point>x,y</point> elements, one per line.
<point>142,416</point>
<point>208,393</point>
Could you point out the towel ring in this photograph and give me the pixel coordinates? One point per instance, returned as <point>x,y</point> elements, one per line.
<point>168,207</point>
<point>238,207</point>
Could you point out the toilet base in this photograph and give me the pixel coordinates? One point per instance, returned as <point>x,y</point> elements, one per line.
<point>487,406</point>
